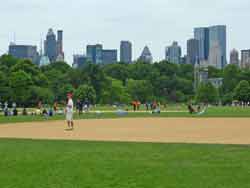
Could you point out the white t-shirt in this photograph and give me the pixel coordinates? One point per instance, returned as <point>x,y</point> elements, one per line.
<point>70,106</point>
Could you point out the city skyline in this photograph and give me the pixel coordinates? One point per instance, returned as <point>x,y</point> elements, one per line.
<point>156,30</point>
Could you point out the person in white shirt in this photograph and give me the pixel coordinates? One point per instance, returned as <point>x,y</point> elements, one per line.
<point>70,111</point>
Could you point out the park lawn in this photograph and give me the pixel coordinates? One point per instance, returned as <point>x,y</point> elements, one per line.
<point>79,164</point>
<point>216,112</point>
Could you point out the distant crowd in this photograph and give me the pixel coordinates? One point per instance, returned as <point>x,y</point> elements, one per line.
<point>10,109</point>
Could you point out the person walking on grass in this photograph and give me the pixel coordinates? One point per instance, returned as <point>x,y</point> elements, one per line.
<point>70,111</point>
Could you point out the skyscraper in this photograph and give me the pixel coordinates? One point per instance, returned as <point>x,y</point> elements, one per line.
<point>146,55</point>
<point>215,55</point>
<point>94,53</point>
<point>24,52</point>
<point>245,59</point>
<point>202,35</point>
<point>50,46</point>
<point>217,37</point>
<point>234,57</point>
<point>79,60</point>
<point>60,43</point>
<point>53,48</point>
<point>109,56</point>
<point>126,52</point>
<point>173,53</point>
<point>192,51</point>
<point>211,39</point>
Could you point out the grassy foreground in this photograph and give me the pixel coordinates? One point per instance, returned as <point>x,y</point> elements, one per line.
<point>76,164</point>
<point>219,112</point>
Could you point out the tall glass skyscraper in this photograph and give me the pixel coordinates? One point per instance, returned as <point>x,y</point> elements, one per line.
<point>212,43</point>
<point>192,51</point>
<point>173,53</point>
<point>202,35</point>
<point>53,48</point>
<point>50,46</point>
<point>217,35</point>
<point>94,53</point>
<point>126,52</point>
<point>60,43</point>
<point>109,56</point>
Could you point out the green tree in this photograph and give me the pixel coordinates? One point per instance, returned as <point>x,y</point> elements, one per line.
<point>214,72</point>
<point>117,71</point>
<point>62,67</point>
<point>63,91</point>
<point>231,75</point>
<point>5,91</point>
<point>8,61</point>
<point>242,91</point>
<point>140,90</point>
<point>20,83</point>
<point>86,92</point>
<point>115,93</point>
<point>207,93</point>
<point>41,94</point>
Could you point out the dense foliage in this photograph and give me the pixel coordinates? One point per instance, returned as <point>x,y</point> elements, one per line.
<point>26,83</point>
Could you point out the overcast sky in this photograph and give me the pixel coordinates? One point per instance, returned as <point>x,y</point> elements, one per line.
<point>155,23</point>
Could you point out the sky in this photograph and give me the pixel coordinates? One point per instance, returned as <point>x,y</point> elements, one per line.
<point>156,23</point>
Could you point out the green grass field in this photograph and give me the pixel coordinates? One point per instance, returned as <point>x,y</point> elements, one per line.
<point>76,164</point>
<point>211,112</point>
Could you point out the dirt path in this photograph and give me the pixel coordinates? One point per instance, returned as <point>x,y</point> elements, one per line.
<point>169,130</point>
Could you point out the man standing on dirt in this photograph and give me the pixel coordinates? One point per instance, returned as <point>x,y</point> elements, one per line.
<point>70,111</point>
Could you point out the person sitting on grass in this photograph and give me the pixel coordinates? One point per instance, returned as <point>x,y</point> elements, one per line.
<point>191,109</point>
<point>198,111</point>
<point>45,113</point>
<point>25,113</point>
<point>6,112</point>
<point>15,112</point>
<point>50,112</point>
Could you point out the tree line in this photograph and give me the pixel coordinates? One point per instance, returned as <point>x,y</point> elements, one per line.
<point>25,83</point>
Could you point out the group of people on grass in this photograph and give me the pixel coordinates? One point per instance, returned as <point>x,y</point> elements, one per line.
<point>198,110</point>
<point>82,106</point>
<point>9,110</point>
<point>149,106</point>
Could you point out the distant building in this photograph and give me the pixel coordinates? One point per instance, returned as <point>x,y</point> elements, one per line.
<point>201,76</point>
<point>184,59</point>
<point>146,55</point>
<point>245,59</point>
<point>126,52</point>
<point>217,39</point>
<point>79,61</point>
<point>216,82</point>
<point>202,35</point>
<point>212,42</point>
<point>173,53</point>
<point>109,56</point>
<point>234,57</point>
<point>44,61</point>
<point>50,46</point>
<point>24,52</point>
<point>60,53</point>
<point>192,51</point>
<point>53,48</point>
<point>215,56</point>
<point>94,53</point>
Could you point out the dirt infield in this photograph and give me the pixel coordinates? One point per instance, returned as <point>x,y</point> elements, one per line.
<point>169,130</point>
